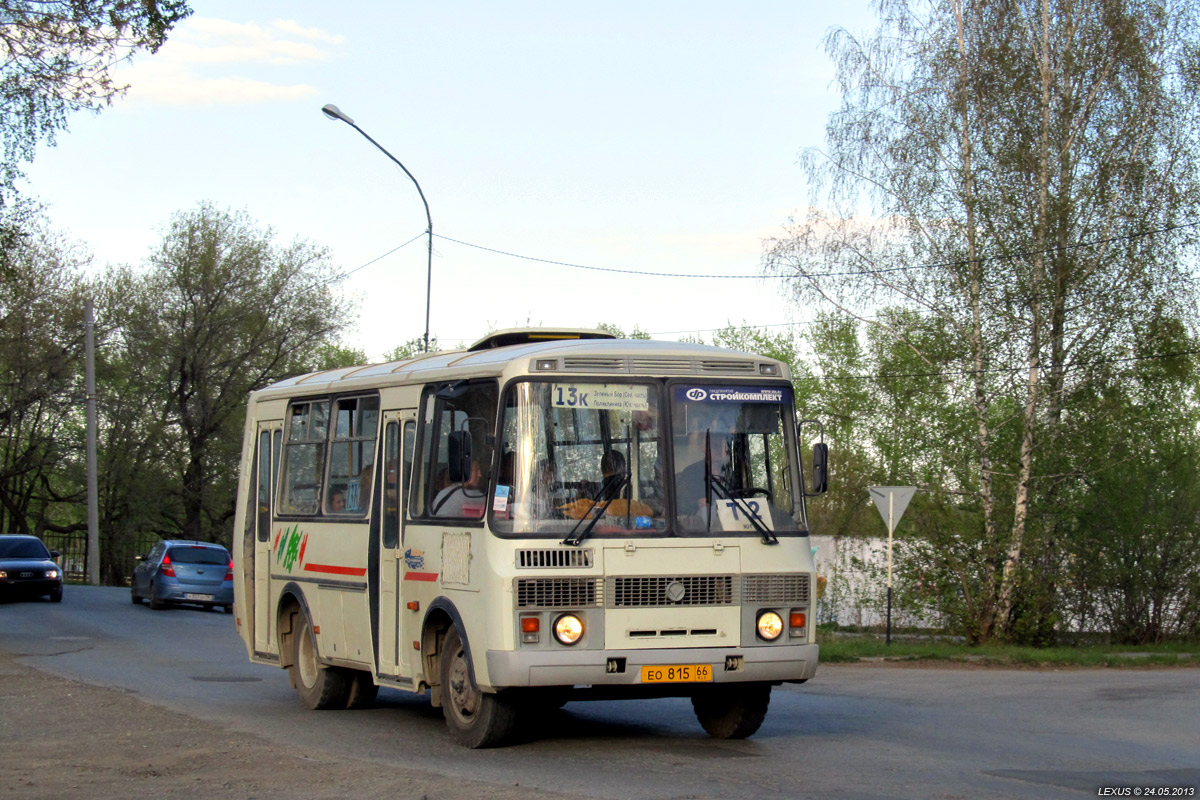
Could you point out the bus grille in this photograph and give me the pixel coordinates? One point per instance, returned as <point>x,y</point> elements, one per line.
<point>558,592</point>
<point>775,589</point>
<point>656,590</point>
<point>560,558</point>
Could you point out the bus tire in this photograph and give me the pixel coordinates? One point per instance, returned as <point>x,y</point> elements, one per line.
<point>476,719</point>
<point>732,711</point>
<point>319,687</point>
<point>362,689</point>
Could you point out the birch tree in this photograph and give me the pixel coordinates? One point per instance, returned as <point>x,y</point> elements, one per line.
<point>1025,171</point>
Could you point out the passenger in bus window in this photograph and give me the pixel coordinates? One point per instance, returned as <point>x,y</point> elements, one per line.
<point>462,499</point>
<point>613,474</point>
<point>337,501</point>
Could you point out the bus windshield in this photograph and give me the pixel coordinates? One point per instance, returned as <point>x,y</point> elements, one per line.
<point>733,457</point>
<point>574,453</point>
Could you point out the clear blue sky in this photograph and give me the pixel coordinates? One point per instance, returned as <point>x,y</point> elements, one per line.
<point>654,136</point>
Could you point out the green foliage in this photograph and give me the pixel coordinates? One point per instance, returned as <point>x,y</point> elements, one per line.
<point>1027,185</point>
<point>617,331</point>
<point>412,348</point>
<point>57,57</point>
<point>41,349</point>
<point>219,310</point>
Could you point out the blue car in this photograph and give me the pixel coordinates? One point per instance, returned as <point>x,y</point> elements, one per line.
<point>184,572</point>
<point>27,568</point>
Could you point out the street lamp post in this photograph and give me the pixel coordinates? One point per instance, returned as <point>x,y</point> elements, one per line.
<point>335,113</point>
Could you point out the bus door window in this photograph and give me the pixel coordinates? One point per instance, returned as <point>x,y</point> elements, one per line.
<point>459,431</point>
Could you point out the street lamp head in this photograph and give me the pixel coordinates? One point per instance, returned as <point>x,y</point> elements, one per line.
<point>335,113</point>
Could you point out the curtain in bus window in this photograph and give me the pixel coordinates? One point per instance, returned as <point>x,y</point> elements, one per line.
<point>304,457</point>
<point>351,456</point>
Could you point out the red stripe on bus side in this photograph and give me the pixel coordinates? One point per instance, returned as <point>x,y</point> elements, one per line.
<point>335,570</point>
<point>420,576</point>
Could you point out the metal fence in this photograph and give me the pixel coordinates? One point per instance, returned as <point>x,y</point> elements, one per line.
<point>73,548</point>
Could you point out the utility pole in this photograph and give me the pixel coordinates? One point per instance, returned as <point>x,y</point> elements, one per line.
<point>93,503</point>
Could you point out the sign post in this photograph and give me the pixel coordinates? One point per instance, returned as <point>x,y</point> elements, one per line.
<point>891,502</point>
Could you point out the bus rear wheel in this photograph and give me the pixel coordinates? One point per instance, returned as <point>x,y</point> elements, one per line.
<point>732,711</point>
<point>476,719</point>
<point>319,687</point>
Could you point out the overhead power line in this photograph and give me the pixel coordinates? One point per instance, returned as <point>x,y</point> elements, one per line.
<point>842,274</point>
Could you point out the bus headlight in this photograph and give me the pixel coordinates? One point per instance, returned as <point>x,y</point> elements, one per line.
<point>568,629</point>
<point>770,625</point>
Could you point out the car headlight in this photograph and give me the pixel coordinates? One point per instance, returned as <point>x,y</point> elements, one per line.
<point>770,625</point>
<point>3,574</point>
<point>51,573</point>
<point>568,629</point>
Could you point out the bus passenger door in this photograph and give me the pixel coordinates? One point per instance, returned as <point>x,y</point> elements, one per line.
<point>399,435</point>
<point>270,439</point>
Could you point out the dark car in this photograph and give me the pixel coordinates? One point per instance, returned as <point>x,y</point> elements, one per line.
<point>184,572</point>
<point>27,568</point>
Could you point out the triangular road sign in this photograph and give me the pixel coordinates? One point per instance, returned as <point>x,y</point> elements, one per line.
<point>900,496</point>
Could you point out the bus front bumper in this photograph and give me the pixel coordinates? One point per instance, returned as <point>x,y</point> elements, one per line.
<point>511,669</point>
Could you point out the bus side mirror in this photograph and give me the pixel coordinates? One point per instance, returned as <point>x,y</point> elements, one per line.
<point>820,468</point>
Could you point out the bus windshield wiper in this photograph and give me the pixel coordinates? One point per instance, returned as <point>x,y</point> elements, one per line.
<point>607,495</point>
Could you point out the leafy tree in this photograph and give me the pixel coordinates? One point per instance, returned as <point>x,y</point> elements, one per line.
<point>57,57</point>
<point>412,348</point>
<point>1029,166</point>
<point>41,349</point>
<point>220,310</point>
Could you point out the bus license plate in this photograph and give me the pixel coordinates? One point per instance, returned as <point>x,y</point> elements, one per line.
<point>197,597</point>
<point>678,673</point>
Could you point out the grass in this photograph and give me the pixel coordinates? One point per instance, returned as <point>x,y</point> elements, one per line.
<point>844,649</point>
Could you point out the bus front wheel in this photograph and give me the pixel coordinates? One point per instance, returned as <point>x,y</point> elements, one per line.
<point>319,687</point>
<point>476,719</point>
<point>732,711</point>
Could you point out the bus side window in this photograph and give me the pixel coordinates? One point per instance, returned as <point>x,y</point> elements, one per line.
<point>304,457</point>
<point>351,468</point>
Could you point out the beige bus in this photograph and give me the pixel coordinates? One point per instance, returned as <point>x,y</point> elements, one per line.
<point>543,517</point>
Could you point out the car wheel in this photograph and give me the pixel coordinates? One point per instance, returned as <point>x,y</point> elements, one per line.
<point>320,687</point>
<point>229,608</point>
<point>133,595</point>
<point>56,595</point>
<point>155,603</point>
<point>476,719</point>
<point>732,711</point>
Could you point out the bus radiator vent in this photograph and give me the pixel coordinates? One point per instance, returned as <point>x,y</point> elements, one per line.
<point>550,558</point>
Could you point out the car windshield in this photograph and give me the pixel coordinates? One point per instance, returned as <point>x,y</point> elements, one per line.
<point>733,453</point>
<point>23,548</point>
<point>198,555</point>
<point>578,453</point>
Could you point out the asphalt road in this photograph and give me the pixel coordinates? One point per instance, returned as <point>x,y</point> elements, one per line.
<point>853,732</point>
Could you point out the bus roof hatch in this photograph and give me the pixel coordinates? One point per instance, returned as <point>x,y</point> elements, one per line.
<point>511,336</point>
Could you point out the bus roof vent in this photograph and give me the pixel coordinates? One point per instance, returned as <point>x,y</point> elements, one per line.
<point>593,364</point>
<point>511,336</point>
<point>662,366</point>
<point>728,366</point>
<point>554,558</point>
